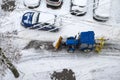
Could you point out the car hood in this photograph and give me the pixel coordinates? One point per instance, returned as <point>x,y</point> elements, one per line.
<point>27,18</point>
<point>30,18</point>
<point>80,2</point>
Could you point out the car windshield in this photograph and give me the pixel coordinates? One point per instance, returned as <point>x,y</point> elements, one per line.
<point>54,0</point>
<point>35,18</point>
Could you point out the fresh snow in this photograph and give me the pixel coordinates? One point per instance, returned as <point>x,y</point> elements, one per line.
<point>39,64</point>
<point>45,17</point>
<point>32,3</point>
<point>80,2</point>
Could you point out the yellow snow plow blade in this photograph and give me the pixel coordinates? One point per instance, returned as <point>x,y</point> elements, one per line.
<point>57,43</point>
<point>99,44</point>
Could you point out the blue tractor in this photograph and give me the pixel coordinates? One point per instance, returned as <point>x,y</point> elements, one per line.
<point>84,42</point>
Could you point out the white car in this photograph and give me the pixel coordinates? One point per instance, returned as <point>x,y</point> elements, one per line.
<point>78,7</point>
<point>32,3</point>
<point>101,10</point>
<point>54,3</point>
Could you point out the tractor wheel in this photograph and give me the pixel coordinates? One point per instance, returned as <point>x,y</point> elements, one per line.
<point>87,50</point>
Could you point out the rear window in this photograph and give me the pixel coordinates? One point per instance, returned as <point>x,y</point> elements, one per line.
<point>54,0</point>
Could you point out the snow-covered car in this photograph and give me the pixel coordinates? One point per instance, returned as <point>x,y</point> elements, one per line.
<point>32,3</point>
<point>39,21</point>
<point>54,3</point>
<point>78,7</point>
<point>101,10</point>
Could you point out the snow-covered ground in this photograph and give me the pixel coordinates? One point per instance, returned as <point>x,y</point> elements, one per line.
<point>86,67</point>
<point>37,65</point>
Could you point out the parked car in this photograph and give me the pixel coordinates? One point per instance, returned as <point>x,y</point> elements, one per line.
<point>40,21</point>
<point>32,3</point>
<point>101,11</point>
<point>54,3</point>
<point>78,7</point>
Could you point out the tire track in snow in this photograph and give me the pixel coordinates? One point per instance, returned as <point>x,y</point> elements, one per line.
<point>38,57</point>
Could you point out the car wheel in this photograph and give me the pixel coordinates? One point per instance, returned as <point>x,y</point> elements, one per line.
<point>48,6</point>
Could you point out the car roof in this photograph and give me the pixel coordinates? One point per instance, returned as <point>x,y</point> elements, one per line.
<point>46,17</point>
<point>103,8</point>
<point>87,37</point>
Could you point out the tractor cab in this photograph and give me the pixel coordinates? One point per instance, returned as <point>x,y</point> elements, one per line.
<point>87,41</point>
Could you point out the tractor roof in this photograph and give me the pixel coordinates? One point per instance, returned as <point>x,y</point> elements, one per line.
<point>87,37</point>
